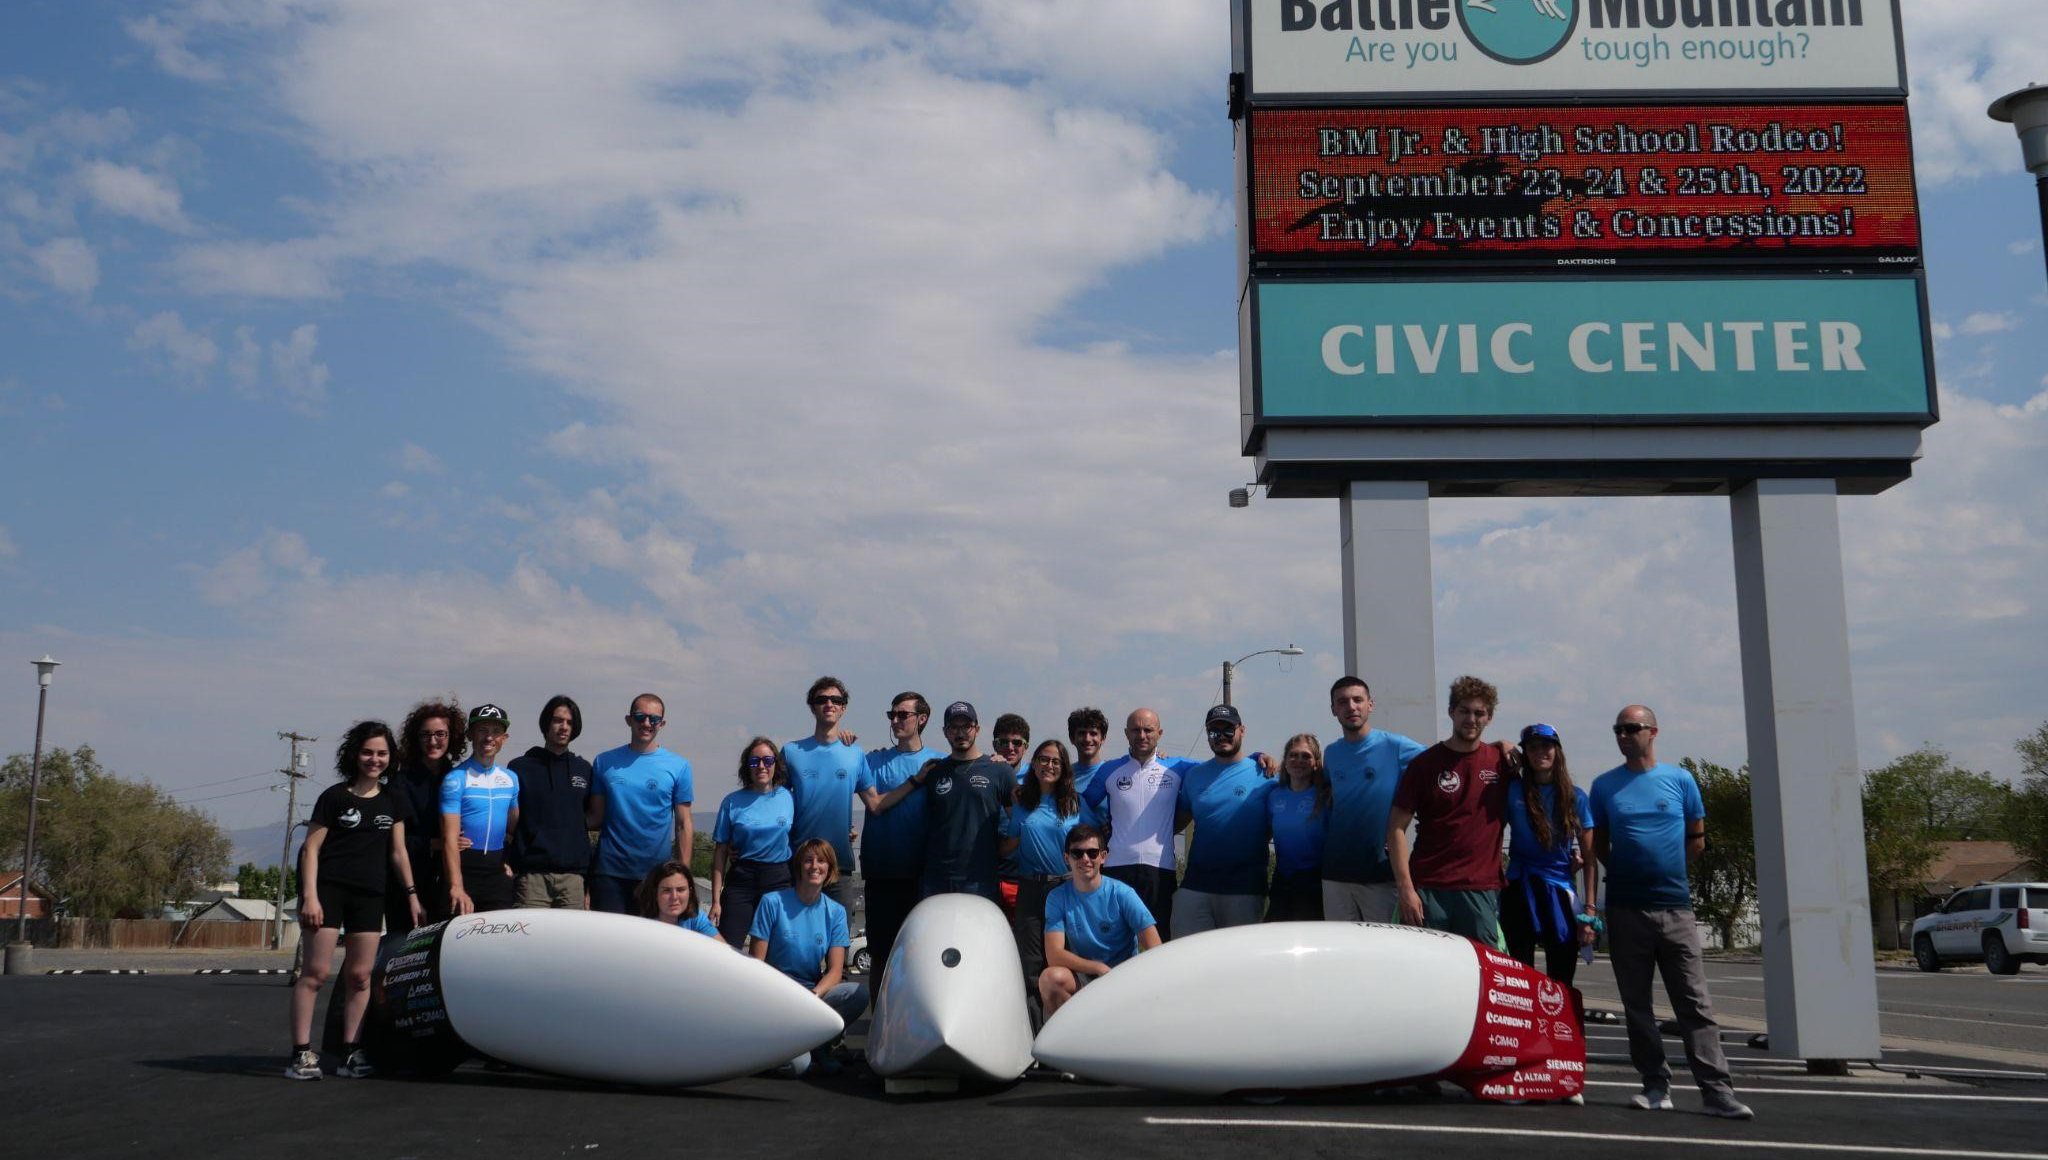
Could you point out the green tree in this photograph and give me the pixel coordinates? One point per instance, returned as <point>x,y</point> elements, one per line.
<point>1900,828</point>
<point>104,845</point>
<point>1724,876</point>
<point>2027,813</point>
<point>255,881</point>
<point>1949,803</point>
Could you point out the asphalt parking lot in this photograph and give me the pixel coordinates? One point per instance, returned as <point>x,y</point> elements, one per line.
<point>184,1065</point>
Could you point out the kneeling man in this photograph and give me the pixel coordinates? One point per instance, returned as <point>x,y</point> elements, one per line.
<point>1092,923</point>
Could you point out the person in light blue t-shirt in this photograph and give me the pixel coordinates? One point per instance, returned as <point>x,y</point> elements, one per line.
<point>822,773</point>
<point>1648,823</point>
<point>1363,766</point>
<point>802,933</point>
<point>752,852</point>
<point>893,839</point>
<point>1225,797</point>
<point>1087,730</point>
<point>669,894</point>
<point>1549,829</point>
<point>640,806</point>
<point>1092,923</point>
<point>1035,835</point>
<point>1297,811</point>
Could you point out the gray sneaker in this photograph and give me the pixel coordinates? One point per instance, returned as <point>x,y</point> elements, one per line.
<point>1655,1097</point>
<point>1725,1106</point>
<point>303,1065</point>
<point>356,1066</point>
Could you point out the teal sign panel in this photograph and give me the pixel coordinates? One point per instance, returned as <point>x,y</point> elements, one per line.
<point>1722,349</point>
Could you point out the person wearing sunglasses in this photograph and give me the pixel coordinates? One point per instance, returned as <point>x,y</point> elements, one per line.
<point>1012,733</point>
<point>1549,819</point>
<point>1092,923</point>
<point>479,810</point>
<point>640,807</point>
<point>1034,836</point>
<point>1297,811</point>
<point>752,856</point>
<point>1456,792</point>
<point>822,771</point>
<point>893,837</point>
<point>1649,822</point>
<point>1225,797</point>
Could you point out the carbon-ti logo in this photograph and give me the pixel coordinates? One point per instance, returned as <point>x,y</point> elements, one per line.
<point>1518,31</point>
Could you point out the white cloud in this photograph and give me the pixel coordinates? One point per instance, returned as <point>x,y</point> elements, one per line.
<point>249,573</point>
<point>297,375</point>
<point>2023,246</point>
<point>1989,322</point>
<point>129,191</point>
<point>167,41</point>
<point>1960,56</point>
<point>186,353</point>
<point>417,460</point>
<point>259,270</point>
<point>68,264</point>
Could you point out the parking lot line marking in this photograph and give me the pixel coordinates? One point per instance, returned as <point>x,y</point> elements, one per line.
<point>1893,1093</point>
<point>1609,1137</point>
<point>1968,1071</point>
<point>1960,1019</point>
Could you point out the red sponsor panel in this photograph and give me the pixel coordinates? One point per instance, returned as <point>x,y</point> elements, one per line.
<point>1526,1042</point>
<point>1605,185</point>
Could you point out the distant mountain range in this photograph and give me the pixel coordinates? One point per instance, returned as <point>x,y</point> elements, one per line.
<point>260,844</point>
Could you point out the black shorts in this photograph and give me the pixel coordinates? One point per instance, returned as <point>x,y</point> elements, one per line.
<point>350,909</point>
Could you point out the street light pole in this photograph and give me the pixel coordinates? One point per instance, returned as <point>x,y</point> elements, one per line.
<point>19,952</point>
<point>2026,110</point>
<point>1230,667</point>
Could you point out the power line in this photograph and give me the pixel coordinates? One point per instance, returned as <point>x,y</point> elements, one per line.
<point>228,780</point>
<point>219,796</point>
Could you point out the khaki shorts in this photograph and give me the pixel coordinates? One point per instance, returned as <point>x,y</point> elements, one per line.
<point>539,891</point>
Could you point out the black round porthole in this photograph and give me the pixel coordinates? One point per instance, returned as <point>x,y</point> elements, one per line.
<point>951,958</point>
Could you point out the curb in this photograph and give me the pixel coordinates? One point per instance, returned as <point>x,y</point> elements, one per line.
<point>98,971</point>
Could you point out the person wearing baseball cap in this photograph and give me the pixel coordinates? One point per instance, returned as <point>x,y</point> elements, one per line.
<point>1550,821</point>
<point>1225,798</point>
<point>966,796</point>
<point>479,808</point>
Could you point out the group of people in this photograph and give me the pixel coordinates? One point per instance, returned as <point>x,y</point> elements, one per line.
<point>1078,847</point>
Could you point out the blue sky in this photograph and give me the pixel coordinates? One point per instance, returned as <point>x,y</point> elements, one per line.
<point>354,352</point>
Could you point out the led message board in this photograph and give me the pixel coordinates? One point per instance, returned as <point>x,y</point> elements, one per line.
<point>1663,350</point>
<point>1311,49</point>
<point>1583,185</point>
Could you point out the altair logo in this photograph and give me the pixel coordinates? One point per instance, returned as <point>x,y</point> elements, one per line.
<point>1518,31</point>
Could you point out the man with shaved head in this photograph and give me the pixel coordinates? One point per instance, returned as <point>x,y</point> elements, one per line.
<point>1648,824</point>
<point>1136,797</point>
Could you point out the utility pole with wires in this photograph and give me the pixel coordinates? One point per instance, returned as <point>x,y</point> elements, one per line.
<point>294,772</point>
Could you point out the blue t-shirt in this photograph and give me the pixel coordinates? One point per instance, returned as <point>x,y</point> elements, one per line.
<point>1644,816</point>
<point>892,843</point>
<point>1297,827</point>
<point>799,936</point>
<point>821,777</point>
<point>641,792</point>
<point>1102,924</point>
<point>698,923</point>
<point>756,825</point>
<point>1362,775</point>
<point>1084,776</point>
<point>1552,863</point>
<point>1228,802</point>
<point>484,798</point>
<point>1041,835</point>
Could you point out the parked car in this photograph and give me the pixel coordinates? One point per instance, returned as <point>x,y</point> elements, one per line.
<point>857,958</point>
<point>2003,924</point>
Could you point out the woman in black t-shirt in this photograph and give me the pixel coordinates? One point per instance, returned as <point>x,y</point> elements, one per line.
<point>357,828</point>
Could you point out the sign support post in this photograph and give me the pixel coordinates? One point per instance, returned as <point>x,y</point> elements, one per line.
<point>1820,985</point>
<point>1389,621</point>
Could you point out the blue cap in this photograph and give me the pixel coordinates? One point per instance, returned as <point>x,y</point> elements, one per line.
<point>1539,730</point>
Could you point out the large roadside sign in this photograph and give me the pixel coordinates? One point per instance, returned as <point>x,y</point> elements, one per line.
<point>1568,350</point>
<point>1582,185</point>
<point>1318,49</point>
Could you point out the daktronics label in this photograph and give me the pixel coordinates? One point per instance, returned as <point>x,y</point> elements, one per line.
<point>1598,186</point>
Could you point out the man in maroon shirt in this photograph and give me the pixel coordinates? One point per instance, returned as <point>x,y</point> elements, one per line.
<point>1456,792</point>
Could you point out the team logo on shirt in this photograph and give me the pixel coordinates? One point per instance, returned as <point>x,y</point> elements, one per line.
<point>578,781</point>
<point>383,821</point>
<point>978,781</point>
<point>1550,997</point>
<point>1450,781</point>
<point>351,818</point>
<point>1124,782</point>
<point>1239,791</point>
<point>841,775</point>
<point>1488,776</point>
<point>650,785</point>
<point>942,786</point>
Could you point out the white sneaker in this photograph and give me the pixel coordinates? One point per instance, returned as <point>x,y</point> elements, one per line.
<point>303,1065</point>
<point>1655,1097</point>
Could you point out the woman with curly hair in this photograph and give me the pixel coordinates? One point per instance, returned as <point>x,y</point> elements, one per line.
<point>353,861</point>
<point>429,746</point>
<point>750,859</point>
<point>1035,832</point>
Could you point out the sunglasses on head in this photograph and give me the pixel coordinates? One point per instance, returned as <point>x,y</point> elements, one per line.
<point>645,718</point>
<point>829,699</point>
<point>1089,853</point>
<point>1630,728</point>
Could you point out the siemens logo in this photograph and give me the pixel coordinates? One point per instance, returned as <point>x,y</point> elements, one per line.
<point>1725,13</point>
